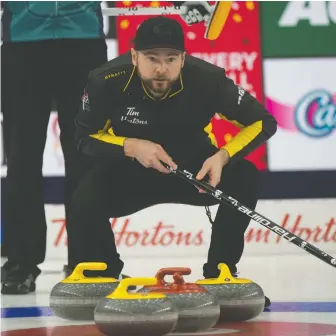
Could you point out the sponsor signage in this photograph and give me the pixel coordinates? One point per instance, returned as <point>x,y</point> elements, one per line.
<point>298,28</point>
<point>301,94</point>
<point>170,230</point>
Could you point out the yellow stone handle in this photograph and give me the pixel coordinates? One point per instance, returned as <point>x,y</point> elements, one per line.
<point>121,291</point>
<point>88,266</point>
<point>225,276</point>
<point>224,272</point>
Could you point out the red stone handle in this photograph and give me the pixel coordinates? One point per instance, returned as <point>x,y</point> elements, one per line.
<point>171,271</point>
<point>178,279</point>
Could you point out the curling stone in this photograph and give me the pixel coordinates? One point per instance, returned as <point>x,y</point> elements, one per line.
<point>240,299</point>
<point>125,314</point>
<point>198,309</point>
<point>76,297</point>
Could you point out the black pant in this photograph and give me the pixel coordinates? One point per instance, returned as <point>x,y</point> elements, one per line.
<point>33,73</point>
<point>125,188</point>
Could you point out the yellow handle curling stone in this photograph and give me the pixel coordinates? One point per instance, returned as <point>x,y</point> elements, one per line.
<point>240,299</point>
<point>125,314</point>
<point>76,297</point>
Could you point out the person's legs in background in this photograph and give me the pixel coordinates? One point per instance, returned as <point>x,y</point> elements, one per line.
<point>5,126</point>
<point>74,59</point>
<point>27,103</point>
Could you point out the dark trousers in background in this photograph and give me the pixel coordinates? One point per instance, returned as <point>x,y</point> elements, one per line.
<point>33,73</point>
<point>126,187</point>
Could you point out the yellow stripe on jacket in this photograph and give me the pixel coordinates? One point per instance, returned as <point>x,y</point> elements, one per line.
<point>107,135</point>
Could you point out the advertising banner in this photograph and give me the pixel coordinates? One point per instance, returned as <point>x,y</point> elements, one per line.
<point>298,28</point>
<point>171,230</point>
<point>237,50</point>
<point>301,94</point>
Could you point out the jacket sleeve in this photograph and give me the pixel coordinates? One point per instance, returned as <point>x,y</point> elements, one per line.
<point>94,134</point>
<point>236,105</point>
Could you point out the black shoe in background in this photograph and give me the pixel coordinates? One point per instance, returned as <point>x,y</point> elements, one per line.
<point>6,268</point>
<point>19,281</point>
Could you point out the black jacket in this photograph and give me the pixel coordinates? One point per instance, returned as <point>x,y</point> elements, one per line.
<point>116,106</point>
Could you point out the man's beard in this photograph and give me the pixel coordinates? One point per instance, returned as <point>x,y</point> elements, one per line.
<point>158,90</point>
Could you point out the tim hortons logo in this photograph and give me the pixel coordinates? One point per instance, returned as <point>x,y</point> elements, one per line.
<point>161,235</point>
<point>132,117</point>
<point>168,235</point>
<point>317,234</point>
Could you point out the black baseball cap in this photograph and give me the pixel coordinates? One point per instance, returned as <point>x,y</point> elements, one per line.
<point>159,32</point>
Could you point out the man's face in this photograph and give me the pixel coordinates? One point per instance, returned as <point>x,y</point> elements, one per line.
<point>158,68</point>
